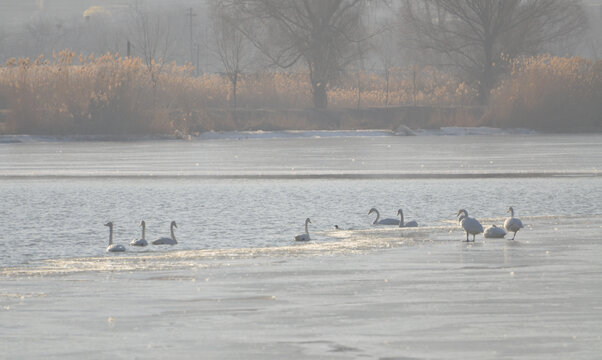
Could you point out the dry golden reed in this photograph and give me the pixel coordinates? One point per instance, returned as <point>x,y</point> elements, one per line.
<point>109,94</point>
<point>549,93</point>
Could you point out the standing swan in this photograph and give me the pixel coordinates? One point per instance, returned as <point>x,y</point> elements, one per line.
<point>513,224</point>
<point>304,237</point>
<point>383,221</point>
<point>470,225</point>
<point>408,224</point>
<point>166,240</point>
<point>142,241</point>
<point>113,247</point>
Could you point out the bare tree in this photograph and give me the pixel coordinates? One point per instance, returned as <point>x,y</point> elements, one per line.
<point>476,35</point>
<point>321,33</point>
<point>151,36</point>
<point>231,45</point>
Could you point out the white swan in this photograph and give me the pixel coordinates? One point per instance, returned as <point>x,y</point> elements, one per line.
<point>383,221</point>
<point>304,237</point>
<point>512,224</point>
<point>470,225</point>
<point>408,224</point>
<point>142,241</point>
<point>113,247</point>
<point>494,232</point>
<point>167,240</point>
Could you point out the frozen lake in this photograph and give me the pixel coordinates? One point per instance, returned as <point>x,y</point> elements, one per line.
<point>237,285</point>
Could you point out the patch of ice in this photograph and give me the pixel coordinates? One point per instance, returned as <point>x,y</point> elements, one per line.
<point>479,130</point>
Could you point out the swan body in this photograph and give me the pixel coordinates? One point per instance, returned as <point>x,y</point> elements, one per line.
<point>513,224</point>
<point>494,232</point>
<point>408,224</point>
<point>471,225</point>
<point>142,241</point>
<point>305,236</point>
<point>377,221</point>
<point>113,247</point>
<point>168,240</point>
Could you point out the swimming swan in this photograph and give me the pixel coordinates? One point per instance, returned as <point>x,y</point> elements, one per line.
<point>304,237</point>
<point>166,240</point>
<point>494,232</point>
<point>408,224</point>
<point>142,241</point>
<point>512,224</point>
<point>113,247</point>
<point>383,221</point>
<point>470,225</point>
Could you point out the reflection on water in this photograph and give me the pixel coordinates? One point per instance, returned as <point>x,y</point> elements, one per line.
<point>57,196</point>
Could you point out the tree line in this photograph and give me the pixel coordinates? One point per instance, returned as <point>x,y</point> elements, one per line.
<point>476,39</point>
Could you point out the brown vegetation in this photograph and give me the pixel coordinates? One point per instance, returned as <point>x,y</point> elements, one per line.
<point>114,95</point>
<point>549,93</point>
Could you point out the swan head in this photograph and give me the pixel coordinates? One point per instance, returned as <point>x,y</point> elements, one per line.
<point>109,224</point>
<point>399,212</point>
<point>142,223</point>
<point>307,221</point>
<point>462,211</point>
<point>336,227</point>
<point>511,210</point>
<point>373,210</point>
<point>461,218</point>
<point>173,223</point>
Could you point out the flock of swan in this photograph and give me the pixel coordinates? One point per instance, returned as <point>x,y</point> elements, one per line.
<point>142,241</point>
<point>470,225</point>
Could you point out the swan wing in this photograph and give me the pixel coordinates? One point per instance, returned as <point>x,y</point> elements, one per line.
<point>302,237</point>
<point>164,241</point>
<point>494,232</point>
<point>139,242</point>
<point>388,222</point>
<point>115,248</point>
<point>412,223</point>
<point>513,224</point>
<point>472,226</point>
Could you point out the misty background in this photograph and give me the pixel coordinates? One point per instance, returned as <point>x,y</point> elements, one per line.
<point>283,55</point>
<point>29,28</point>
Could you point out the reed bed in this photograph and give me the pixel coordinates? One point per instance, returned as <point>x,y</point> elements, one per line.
<point>549,93</point>
<point>109,94</point>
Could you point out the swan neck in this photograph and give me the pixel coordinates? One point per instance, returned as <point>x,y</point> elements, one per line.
<point>511,212</point>
<point>377,216</point>
<point>401,220</point>
<point>110,235</point>
<point>306,231</point>
<point>144,231</point>
<point>173,236</point>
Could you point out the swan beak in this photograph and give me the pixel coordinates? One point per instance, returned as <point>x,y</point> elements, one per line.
<point>108,224</point>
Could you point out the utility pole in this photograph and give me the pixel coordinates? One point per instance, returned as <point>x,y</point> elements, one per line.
<point>190,15</point>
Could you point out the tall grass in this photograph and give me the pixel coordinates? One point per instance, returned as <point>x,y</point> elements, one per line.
<point>549,93</point>
<point>109,94</point>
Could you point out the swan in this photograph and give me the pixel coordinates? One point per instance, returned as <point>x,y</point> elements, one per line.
<point>470,225</point>
<point>408,224</point>
<point>304,237</point>
<point>383,221</point>
<point>113,247</point>
<point>142,241</point>
<point>494,232</point>
<point>512,224</point>
<point>166,240</point>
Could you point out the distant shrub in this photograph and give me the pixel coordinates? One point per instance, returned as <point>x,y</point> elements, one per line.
<point>549,93</point>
